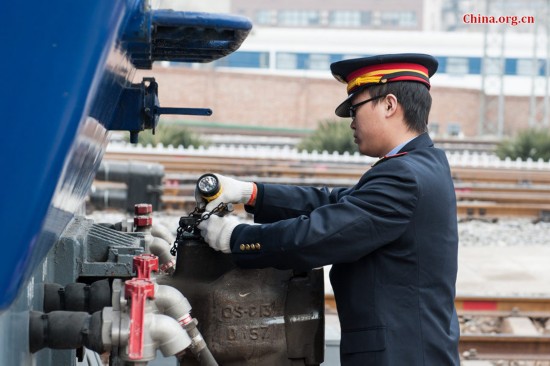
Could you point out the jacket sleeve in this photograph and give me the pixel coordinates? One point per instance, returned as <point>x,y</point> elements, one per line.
<point>343,229</point>
<point>278,202</point>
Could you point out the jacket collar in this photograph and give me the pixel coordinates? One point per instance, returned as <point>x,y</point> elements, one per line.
<point>419,142</point>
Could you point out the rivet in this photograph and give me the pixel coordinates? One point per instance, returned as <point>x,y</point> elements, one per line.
<point>247,246</point>
<point>242,246</point>
<point>258,246</point>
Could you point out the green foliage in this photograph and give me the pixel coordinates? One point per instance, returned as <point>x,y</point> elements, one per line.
<point>170,135</point>
<point>331,135</point>
<point>531,143</point>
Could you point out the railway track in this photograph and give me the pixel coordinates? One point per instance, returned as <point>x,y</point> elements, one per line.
<point>482,192</point>
<point>517,337</point>
<point>264,167</point>
<point>474,200</point>
<point>507,341</point>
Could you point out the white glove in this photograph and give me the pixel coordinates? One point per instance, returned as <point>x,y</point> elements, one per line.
<point>217,231</point>
<point>232,191</point>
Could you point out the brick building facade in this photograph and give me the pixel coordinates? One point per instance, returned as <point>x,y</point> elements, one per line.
<point>286,102</point>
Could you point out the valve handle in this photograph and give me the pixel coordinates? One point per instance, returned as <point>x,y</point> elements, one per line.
<point>138,291</point>
<point>144,264</point>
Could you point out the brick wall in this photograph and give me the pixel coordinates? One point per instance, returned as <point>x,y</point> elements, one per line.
<point>301,103</point>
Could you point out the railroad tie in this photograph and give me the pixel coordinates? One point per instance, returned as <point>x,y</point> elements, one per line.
<point>519,325</point>
<point>476,363</point>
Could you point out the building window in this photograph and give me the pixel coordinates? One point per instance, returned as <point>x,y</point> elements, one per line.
<point>287,61</point>
<point>524,67</point>
<point>366,18</point>
<point>265,17</point>
<point>319,61</point>
<point>398,19</point>
<point>457,66</point>
<point>433,128</point>
<point>298,18</point>
<point>345,18</point>
<point>247,59</point>
<point>453,129</point>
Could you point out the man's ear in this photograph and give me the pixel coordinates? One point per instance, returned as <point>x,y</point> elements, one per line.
<point>390,105</point>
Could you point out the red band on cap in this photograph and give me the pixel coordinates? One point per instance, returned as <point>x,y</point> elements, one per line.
<point>379,74</point>
<point>383,68</point>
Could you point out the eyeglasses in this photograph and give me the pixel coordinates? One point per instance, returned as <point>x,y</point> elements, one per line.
<point>353,108</point>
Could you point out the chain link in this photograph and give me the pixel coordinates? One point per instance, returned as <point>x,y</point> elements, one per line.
<point>191,228</point>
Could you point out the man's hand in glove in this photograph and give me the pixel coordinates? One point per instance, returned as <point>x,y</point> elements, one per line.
<point>217,231</point>
<point>232,191</point>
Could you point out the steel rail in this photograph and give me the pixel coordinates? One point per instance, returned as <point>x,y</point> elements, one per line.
<point>505,347</point>
<point>497,346</point>
<point>534,306</point>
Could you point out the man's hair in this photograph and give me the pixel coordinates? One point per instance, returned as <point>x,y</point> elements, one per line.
<point>415,99</point>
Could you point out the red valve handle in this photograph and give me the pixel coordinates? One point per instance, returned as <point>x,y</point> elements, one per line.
<point>144,264</point>
<point>138,291</point>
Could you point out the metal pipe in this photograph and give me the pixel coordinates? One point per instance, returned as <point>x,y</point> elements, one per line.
<point>161,249</point>
<point>170,337</point>
<point>156,245</point>
<point>161,231</point>
<point>159,332</point>
<point>199,347</point>
<point>171,302</point>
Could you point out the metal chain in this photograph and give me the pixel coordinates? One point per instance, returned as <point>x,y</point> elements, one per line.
<point>191,228</point>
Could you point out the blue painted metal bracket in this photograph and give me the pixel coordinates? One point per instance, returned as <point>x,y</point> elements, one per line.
<point>139,109</point>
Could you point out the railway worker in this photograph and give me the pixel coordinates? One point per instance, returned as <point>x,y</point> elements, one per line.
<point>391,239</point>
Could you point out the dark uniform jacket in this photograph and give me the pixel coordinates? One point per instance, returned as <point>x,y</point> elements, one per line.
<point>392,242</point>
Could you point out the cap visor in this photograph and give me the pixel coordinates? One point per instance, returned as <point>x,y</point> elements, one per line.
<point>343,109</point>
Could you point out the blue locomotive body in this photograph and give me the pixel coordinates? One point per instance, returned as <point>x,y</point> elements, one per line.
<point>68,68</point>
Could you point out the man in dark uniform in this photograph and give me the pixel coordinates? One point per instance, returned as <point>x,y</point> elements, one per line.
<point>391,239</point>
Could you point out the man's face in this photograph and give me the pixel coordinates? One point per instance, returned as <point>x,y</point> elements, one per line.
<point>368,125</point>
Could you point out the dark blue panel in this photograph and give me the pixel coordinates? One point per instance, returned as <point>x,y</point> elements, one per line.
<point>474,65</point>
<point>543,64</point>
<point>301,60</point>
<point>510,66</point>
<point>442,68</point>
